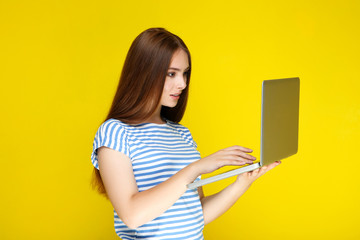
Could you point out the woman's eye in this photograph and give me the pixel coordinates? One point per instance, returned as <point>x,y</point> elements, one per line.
<point>171,74</point>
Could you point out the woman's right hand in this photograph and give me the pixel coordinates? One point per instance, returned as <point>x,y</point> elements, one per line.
<point>231,156</point>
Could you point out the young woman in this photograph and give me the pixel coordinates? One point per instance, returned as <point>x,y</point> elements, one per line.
<point>144,158</point>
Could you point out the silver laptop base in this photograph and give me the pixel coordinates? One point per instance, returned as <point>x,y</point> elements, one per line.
<point>223,175</point>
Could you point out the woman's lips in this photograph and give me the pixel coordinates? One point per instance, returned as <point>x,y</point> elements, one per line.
<point>175,96</point>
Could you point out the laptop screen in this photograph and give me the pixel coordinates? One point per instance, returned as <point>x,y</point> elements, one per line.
<point>279,119</point>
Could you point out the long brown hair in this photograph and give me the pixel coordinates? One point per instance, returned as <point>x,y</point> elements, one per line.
<point>142,82</point>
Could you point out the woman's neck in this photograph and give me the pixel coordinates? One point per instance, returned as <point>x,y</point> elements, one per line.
<point>157,120</point>
<point>156,117</point>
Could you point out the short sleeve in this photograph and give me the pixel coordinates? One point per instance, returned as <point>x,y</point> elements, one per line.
<point>189,137</point>
<point>111,134</point>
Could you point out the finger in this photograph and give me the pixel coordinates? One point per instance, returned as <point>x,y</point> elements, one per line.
<point>233,162</point>
<point>256,171</point>
<point>271,166</point>
<point>241,154</point>
<point>263,170</point>
<point>274,164</point>
<point>244,149</point>
<point>238,158</point>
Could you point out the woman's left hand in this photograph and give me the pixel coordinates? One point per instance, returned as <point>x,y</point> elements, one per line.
<point>250,177</point>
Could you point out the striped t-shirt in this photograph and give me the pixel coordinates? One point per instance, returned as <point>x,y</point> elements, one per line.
<point>157,152</point>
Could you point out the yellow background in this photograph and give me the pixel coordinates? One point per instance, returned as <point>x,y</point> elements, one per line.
<point>60,64</point>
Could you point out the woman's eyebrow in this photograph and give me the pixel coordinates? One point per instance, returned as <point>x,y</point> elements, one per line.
<point>178,69</point>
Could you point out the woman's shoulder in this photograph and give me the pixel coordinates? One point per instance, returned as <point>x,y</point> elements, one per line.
<point>184,132</point>
<point>112,120</point>
<point>111,125</point>
<point>179,127</point>
<point>175,124</point>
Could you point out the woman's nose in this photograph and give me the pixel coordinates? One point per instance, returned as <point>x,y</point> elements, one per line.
<point>182,82</point>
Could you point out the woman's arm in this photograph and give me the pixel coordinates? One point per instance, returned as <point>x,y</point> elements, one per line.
<point>137,208</point>
<point>133,207</point>
<point>217,204</point>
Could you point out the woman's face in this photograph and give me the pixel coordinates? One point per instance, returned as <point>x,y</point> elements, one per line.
<point>176,79</point>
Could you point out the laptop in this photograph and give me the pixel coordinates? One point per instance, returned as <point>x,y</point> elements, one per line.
<point>279,126</point>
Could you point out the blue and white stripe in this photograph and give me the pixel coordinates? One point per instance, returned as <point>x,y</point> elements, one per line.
<point>157,152</point>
